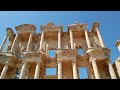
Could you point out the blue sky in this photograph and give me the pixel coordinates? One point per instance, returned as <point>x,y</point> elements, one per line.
<point>109,22</point>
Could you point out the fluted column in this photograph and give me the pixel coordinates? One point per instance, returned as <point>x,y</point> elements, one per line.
<point>59,69</point>
<point>87,39</point>
<point>29,41</point>
<point>4,71</point>
<point>22,74</point>
<point>37,71</point>
<point>71,39</point>
<point>12,47</point>
<point>41,41</point>
<point>3,43</point>
<point>75,73</point>
<point>59,39</point>
<point>95,69</point>
<point>100,38</point>
<point>111,70</point>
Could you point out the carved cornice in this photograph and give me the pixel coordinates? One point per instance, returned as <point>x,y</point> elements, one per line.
<point>100,53</point>
<point>77,26</point>
<point>51,27</point>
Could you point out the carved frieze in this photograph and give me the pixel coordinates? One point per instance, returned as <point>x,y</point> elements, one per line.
<point>100,53</point>
<point>66,54</point>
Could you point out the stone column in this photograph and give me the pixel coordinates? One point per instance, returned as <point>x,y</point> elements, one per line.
<point>71,39</point>
<point>37,71</point>
<point>100,39</point>
<point>118,44</point>
<point>4,71</point>
<point>74,45</point>
<point>29,41</point>
<point>119,48</point>
<point>87,39</point>
<point>75,73</point>
<point>111,70</point>
<point>41,41</point>
<point>95,69</point>
<point>59,69</point>
<point>3,43</point>
<point>21,46</point>
<point>59,39</point>
<point>12,47</point>
<point>22,74</point>
<point>117,63</point>
<point>47,50</point>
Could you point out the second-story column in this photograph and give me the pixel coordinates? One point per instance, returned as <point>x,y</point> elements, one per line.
<point>71,39</point>
<point>47,50</point>
<point>12,47</point>
<point>22,74</point>
<point>3,43</point>
<point>41,41</point>
<point>4,71</point>
<point>59,69</point>
<point>100,39</point>
<point>59,39</point>
<point>29,41</point>
<point>87,39</point>
<point>75,73</point>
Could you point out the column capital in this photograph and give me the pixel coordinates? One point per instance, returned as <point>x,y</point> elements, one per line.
<point>42,31</point>
<point>85,29</point>
<point>31,33</point>
<point>59,30</point>
<point>59,61</point>
<point>38,61</point>
<point>6,63</point>
<point>24,62</point>
<point>96,29</point>
<point>74,62</point>
<point>47,45</point>
<point>92,59</point>
<point>70,30</point>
